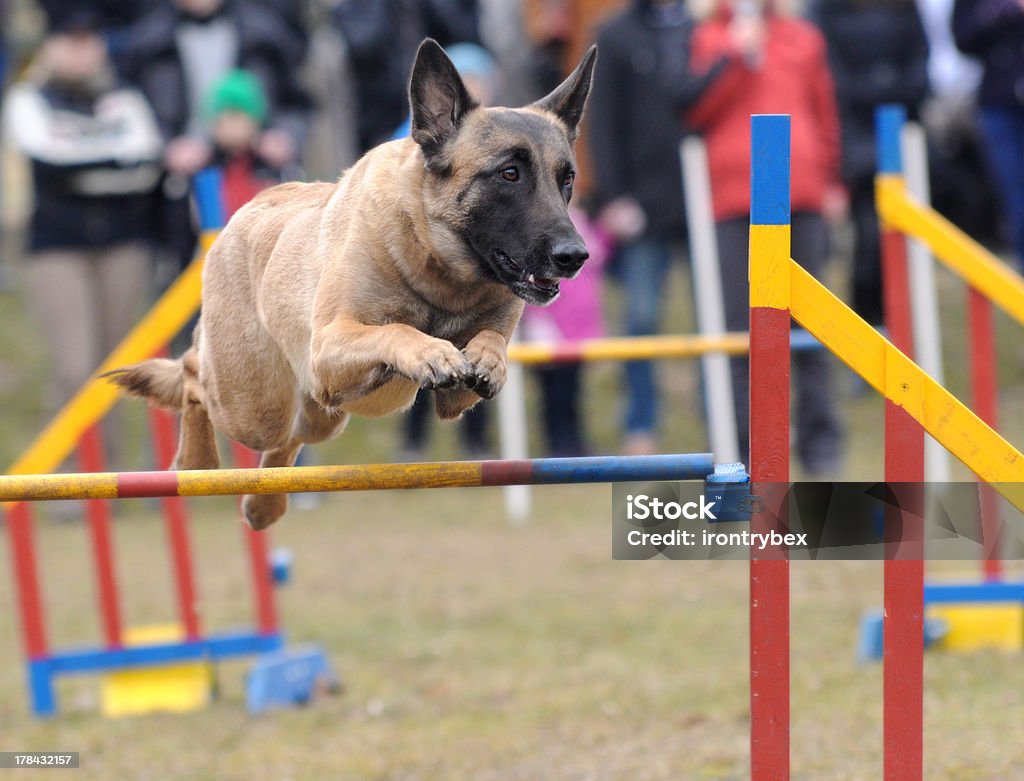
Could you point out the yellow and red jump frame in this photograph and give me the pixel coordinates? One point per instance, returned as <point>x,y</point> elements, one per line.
<point>780,290</point>
<point>989,281</point>
<point>76,425</point>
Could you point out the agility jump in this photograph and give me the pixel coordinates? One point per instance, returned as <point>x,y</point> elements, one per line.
<point>372,477</point>
<point>987,612</point>
<point>779,290</point>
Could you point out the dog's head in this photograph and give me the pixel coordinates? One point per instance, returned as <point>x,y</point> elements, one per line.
<point>499,180</point>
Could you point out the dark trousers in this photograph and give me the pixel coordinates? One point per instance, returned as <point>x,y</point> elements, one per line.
<point>642,267</point>
<point>867,252</point>
<point>560,394</point>
<point>472,425</point>
<point>817,424</point>
<point>1004,130</point>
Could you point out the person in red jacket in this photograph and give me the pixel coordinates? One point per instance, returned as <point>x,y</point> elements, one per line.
<point>773,64</point>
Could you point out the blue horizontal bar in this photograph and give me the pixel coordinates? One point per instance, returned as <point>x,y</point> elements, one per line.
<point>992,591</point>
<point>213,647</point>
<point>803,341</point>
<point>615,469</point>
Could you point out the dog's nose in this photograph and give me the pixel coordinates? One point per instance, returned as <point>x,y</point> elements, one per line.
<point>569,254</point>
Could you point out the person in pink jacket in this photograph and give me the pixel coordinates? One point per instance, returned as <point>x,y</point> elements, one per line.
<point>575,315</point>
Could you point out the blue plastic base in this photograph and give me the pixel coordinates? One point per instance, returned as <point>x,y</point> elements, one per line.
<point>869,644</point>
<point>288,678</point>
<point>41,672</point>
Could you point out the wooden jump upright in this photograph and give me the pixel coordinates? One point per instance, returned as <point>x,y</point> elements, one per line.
<point>769,443</point>
<point>779,289</point>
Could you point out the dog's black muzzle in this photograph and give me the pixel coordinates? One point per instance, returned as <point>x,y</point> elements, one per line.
<point>569,256</point>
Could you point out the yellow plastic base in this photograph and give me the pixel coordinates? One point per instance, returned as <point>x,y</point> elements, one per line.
<point>172,688</point>
<point>978,627</point>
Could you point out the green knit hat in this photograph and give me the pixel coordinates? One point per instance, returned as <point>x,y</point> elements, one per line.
<point>240,91</point>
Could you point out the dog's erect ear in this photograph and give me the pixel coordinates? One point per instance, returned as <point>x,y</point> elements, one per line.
<point>438,101</point>
<point>569,98</point>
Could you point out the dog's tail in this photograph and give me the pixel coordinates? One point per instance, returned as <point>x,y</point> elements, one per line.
<point>160,381</point>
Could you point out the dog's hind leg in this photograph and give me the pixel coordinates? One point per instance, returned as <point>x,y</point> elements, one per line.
<point>312,424</point>
<point>315,424</point>
<point>261,510</point>
<point>450,403</point>
<point>197,443</point>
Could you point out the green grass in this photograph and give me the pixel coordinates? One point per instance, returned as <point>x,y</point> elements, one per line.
<point>472,649</point>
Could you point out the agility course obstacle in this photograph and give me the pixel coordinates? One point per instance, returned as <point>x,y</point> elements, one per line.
<point>992,607</point>
<point>779,290</point>
<point>642,348</point>
<point>512,401</point>
<point>371,477</point>
<point>76,426</point>
<point>44,665</point>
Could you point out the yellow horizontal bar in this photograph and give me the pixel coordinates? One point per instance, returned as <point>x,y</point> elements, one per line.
<point>955,249</point>
<point>231,482</point>
<point>163,321</point>
<point>890,372</point>
<point>17,488</point>
<point>629,348</point>
<point>372,477</point>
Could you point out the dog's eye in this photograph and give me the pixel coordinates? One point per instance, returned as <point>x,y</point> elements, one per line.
<point>510,174</point>
<point>569,179</point>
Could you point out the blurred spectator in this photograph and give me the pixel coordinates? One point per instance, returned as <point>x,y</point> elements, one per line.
<point>549,26</point>
<point>94,150</point>
<point>949,71</point>
<point>331,144</point>
<point>118,17</point>
<point>503,32</point>
<point>878,53</point>
<point>177,51</point>
<point>774,64</point>
<point>382,37</point>
<point>642,80</point>
<point>575,315</point>
<point>236,112</point>
<point>993,31</point>
<point>480,74</point>
<point>4,272</point>
<point>950,115</point>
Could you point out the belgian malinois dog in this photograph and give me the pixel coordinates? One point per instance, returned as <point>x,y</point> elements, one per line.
<point>322,301</point>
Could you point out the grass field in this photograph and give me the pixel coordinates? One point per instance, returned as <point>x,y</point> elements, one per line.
<point>472,649</point>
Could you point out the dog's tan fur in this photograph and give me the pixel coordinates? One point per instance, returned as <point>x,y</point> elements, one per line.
<point>325,300</point>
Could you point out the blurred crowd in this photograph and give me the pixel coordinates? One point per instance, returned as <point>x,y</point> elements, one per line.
<point>116,104</point>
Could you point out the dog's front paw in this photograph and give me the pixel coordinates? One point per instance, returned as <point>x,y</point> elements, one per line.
<point>440,365</point>
<point>489,368</point>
